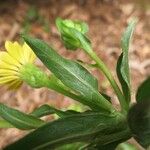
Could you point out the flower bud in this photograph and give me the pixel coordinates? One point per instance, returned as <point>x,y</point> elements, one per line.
<point>72,32</point>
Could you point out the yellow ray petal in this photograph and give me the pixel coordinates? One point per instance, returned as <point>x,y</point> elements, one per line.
<point>5,80</point>
<point>5,57</point>
<point>28,53</point>
<point>4,65</point>
<point>14,50</point>
<point>14,84</point>
<point>4,72</point>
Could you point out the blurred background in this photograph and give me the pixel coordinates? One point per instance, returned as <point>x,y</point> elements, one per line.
<point>107,20</point>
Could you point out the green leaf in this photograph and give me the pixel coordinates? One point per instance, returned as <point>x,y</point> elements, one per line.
<point>124,85</point>
<point>19,119</point>
<point>47,110</point>
<point>123,62</point>
<point>143,92</point>
<point>139,122</point>
<point>71,74</point>
<point>75,128</point>
<point>120,134</point>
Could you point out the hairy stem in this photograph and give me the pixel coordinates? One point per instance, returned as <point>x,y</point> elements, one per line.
<point>54,86</point>
<point>87,48</point>
<point>112,81</point>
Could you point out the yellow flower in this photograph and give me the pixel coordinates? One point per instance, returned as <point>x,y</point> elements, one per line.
<point>12,61</point>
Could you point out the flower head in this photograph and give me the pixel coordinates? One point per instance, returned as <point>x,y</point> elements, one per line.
<point>12,61</point>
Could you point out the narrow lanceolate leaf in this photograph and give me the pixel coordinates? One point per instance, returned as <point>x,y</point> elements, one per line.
<point>143,92</point>
<point>71,74</point>
<point>75,128</point>
<point>123,62</point>
<point>121,134</point>
<point>19,119</point>
<point>139,122</point>
<point>47,110</point>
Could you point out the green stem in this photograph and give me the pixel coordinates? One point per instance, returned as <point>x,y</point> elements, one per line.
<point>5,124</point>
<point>112,81</point>
<point>50,84</point>
<point>62,91</point>
<point>87,48</point>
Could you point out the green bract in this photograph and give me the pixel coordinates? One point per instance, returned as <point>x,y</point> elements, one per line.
<point>99,126</point>
<point>33,76</point>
